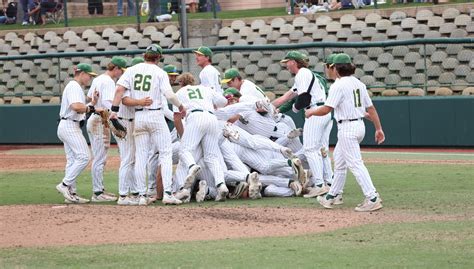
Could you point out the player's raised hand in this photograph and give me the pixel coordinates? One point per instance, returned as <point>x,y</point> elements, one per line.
<point>379,136</point>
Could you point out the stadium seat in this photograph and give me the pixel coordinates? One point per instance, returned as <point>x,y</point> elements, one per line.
<point>470,28</point>
<point>470,77</point>
<point>36,100</point>
<point>379,37</point>
<point>432,34</point>
<point>284,76</point>
<point>255,56</point>
<point>16,101</point>
<point>250,69</point>
<point>372,18</point>
<point>155,37</point>
<point>237,24</point>
<point>416,92</point>
<point>368,32</point>
<point>438,56</point>
<point>381,72</point>
<point>19,89</point>
<point>322,21</point>
<point>24,77</point>
<point>266,30</point>
<point>245,31</point>
<point>374,52</point>
<point>319,34</point>
<point>265,62</point>
<point>225,32</point>
<point>447,28</point>
<point>108,32</point>
<point>17,43</point>
<point>447,78</point>
<point>458,33</point>
<point>462,20</point>
<point>435,22</point>
<point>434,71</point>
<point>424,15</point>
<point>407,72</point>
<point>257,24</point>
<point>397,16</point>
<point>383,25</point>
<point>360,59</point>
<point>354,38</point>
<point>450,13</point>
<point>330,38</point>
<point>344,33</point>
<point>277,23</point>
<point>465,55</point>
<point>309,28</point>
<point>296,35</point>
<point>385,58</point>
<point>468,91</point>
<point>259,76</point>
<point>462,70</point>
<point>450,63</point>
<point>55,100</point>
<point>347,19</point>
<point>420,30</point>
<point>390,92</point>
<point>270,83</point>
<point>170,29</point>
<point>418,79</point>
<point>392,79</point>
<point>333,27</point>
<point>135,37</point>
<point>282,40</point>
<point>458,86</point>
<point>143,43</point>
<point>126,33</point>
<point>274,69</point>
<point>300,21</point>
<point>358,26</point>
<point>443,91</point>
<point>408,24</point>
<point>396,65</point>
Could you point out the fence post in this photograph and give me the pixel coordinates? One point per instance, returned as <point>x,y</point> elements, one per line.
<point>66,20</point>
<point>425,69</point>
<point>230,58</point>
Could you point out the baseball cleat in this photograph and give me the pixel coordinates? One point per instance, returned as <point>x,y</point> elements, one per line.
<point>222,192</point>
<point>316,191</point>
<point>183,194</point>
<point>101,198</point>
<point>171,200</point>
<point>295,133</point>
<point>202,192</point>
<point>127,200</point>
<point>298,169</point>
<point>287,152</point>
<point>338,199</point>
<point>296,187</point>
<point>369,206</point>
<point>109,194</point>
<point>326,203</point>
<point>142,200</point>
<point>64,190</point>
<point>255,186</point>
<point>238,190</point>
<point>192,173</point>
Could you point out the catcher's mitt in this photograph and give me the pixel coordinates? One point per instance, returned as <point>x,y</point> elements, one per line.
<point>117,128</point>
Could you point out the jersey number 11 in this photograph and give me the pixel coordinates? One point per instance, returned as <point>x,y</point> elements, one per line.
<point>357,102</point>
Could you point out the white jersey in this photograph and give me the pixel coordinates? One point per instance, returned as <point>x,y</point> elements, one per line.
<point>250,92</point>
<point>72,94</point>
<point>146,80</point>
<point>303,80</point>
<point>349,98</point>
<point>256,124</point>
<point>126,112</point>
<point>210,77</point>
<point>105,86</point>
<point>200,97</point>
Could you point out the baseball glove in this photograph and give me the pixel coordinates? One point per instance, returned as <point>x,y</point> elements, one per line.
<point>117,128</point>
<point>104,116</point>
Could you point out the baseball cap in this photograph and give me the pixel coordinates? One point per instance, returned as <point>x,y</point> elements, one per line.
<point>154,49</point>
<point>120,62</point>
<point>230,74</point>
<point>171,69</point>
<point>204,51</point>
<point>87,68</point>
<point>137,60</point>
<point>342,58</point>
<point>294,55</point>
<point>330,59</point>
<point>232,91</point>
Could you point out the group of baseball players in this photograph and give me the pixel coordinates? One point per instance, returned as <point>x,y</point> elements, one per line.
<point>225,144</point>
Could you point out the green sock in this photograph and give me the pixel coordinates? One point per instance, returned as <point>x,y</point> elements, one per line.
<point>289,163</point>
<point>98,193</point>
<point>373,199</point>
<point>319,185</point>
<point>329,196</point>
<point>168,192</point>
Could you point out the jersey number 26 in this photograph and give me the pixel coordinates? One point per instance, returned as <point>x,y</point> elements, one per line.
<point>142,83</point>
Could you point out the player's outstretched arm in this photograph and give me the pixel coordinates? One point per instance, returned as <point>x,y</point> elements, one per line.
<point>374,116</point>
<point>318,111</point>
<point>284,98</point>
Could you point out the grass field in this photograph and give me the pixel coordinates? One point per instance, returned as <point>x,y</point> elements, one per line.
<point>431,189</point>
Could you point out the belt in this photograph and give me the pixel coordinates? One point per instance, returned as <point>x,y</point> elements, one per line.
<point>200,110</point>
<point>130,120</point>
<point>141,109</point>
<point>341,121</point>
<point>317,104</point>
<point>63,118</point>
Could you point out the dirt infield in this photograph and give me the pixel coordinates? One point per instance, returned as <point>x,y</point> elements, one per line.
<point>58,225</point>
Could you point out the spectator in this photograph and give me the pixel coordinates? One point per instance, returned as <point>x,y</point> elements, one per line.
<point>10,13</point>
<point>3,14</point>
<point>131,10</point>
<point>193,5</point>
<point>95,7</point>
<point>39,8</point>
<point>25,4</point>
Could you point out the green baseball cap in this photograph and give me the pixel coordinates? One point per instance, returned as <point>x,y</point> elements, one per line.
<point>230,74</point>
<point>171,69</point>
<point>204,51</point>
<point>342,58</point>
<point>294,55</point>
<point>232,91</point>
<point>330,59</point>
<point>154,49</point>
<point>137,60</point>
<point>120,62</point>
<point>86,68</point>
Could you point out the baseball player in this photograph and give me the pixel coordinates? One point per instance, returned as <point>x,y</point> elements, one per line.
<point>202,129</point>
<point>248,89</point>
<point>71,119</point>
<point>349,99</point>
<point>102,90</point>
<point>310,93</point>
<point>148,80</point>
<point>209,75</point>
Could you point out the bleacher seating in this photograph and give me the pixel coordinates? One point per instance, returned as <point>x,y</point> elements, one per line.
<point>388,71</point>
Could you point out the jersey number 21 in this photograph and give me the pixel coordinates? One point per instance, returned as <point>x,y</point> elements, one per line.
<point>194,93</point>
